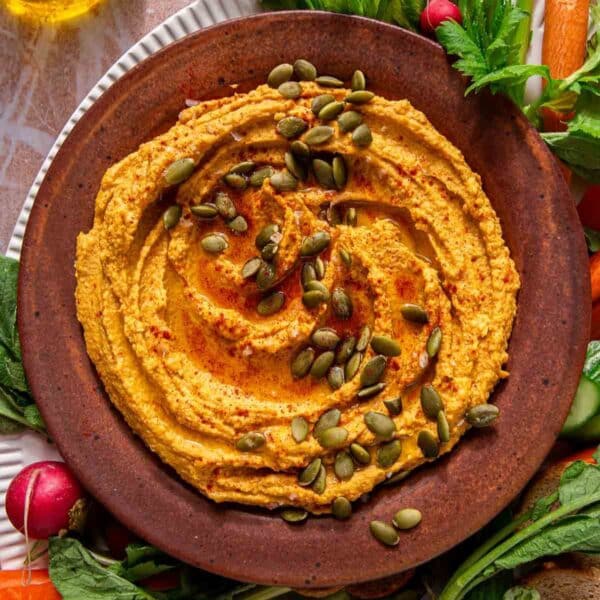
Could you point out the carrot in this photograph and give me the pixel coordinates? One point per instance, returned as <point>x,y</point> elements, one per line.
<point>595,276</point>
<point>20,585</point>
<point>595,330</point>
<point>589,208</point>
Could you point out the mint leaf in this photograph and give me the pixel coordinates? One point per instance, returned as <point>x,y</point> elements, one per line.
<point>521,593</point>
<point>578,480</point>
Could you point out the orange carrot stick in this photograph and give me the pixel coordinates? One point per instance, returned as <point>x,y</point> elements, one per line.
<point>19,585</point>
<point>595,276</point>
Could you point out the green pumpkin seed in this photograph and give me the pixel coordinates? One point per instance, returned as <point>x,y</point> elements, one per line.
<point>358,81</point>
<point>360,454</point>
<point>235,181</point>
<point>327,420</point>
<point>385,345</point>
<point>265,276</point>
<point>359,97</point>
<point>313,298</point>
<point>309,473</point>
<point>351,217</point>
<point>280,74</point>
<point>214,243</point>
<point>341,508</point>
<point>428,444</point>
<point>299,429</point>
<point>251,267</point>
<point>319,267</point>
<point>323,173</point>
<point>373,371</point>
<point>284,181</point>
<point>319,102</point>
<point>407,518</point>
<point>443,428</point>
<point>258,177</point>
<point>353,365</point>
<point>482,415</point>
<point>305,71</point>
<point>434,342</point>
<point>315,284</point>
<point>379,424</point>
<point>265,235</point>
<point>340,173</point>
<point>343,466</point>
<point>243,168</point>
<point>384,533</point>
<point>362,136</point>
<point>363,339</point>
<point>295,167</point>
<point>290,90</point>
<point>319,484</point>
<point>414,313</point>
<point>204,211</point>
<point>308,273</point>
<point>369,392</point>
<point>251,441</point>
<point>331,110</point>
<point>302,363</point>
<point>394,406</point>
<point>325,338</point>
<point>335,378</point>
<point>389,453</point>
<point>271,304</point>
<point>291,127</point>
<point>315,244</point>
<point>322,364</point>
<point>334,437</point>
<point>239,224</point>
<point>345,350</point>
<point>180,170</point>
<point>329,81</point>
<point>400,476</point>
<point>269,251</point>
<point>341,304</point>
<point>300,150</point>
<point>294,515</point>
<point>318,135</point>
<point>225,206</point>
<point>431,402</point>
<point>171,216</point>
<point>349,121</point>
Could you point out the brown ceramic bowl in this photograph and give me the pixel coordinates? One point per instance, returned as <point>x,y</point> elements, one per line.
<point>458,494</point>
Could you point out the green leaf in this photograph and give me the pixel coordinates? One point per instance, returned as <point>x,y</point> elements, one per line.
<point>508,76</point>
<point>596,455</point>
<point>34,418</point>
<point>457,42</point>
<point>591,366</point>
<point>11,372</point>
<point>9,427</point>
<point>520,592</point>
<point>9,409</point>
<point>491,589</point>
<point>543,506</point>
<point>578,480</point>
<point>592,239</point>
<point>503,44</point>
<point>9,272</point>
<point>580,152</point>
<point>587,116</point>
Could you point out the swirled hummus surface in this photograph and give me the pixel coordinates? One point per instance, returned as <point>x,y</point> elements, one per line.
<point>208,373</point>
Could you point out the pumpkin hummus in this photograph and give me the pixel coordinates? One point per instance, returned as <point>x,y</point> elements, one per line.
<point>212,358</point>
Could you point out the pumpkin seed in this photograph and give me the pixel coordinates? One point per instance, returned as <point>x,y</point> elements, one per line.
<point>309,473</point>
<point>323,173</point>
<point>243,168</point>
<point>443,428</point>
<point>265,235</point>
<point>327,420</point>
<point>329,81</point>
<point>269,251</point>
<point>319,267</point>
<point>389,453</point>
<point>318,135</point>
<point>204,211</point>
<point>180,170</point>
<point>345,350</point>
<point>271,304</point>
<point>239,224</point>
<point>340,174</point>
<point>308,274</point>
<point>280,74</point>
<point>236,181</point>
<point>294,166</point>
<point>299,429</point>
<point>359,97</point>
<point>428,444</point>
<point>434,342</point>
<point>265,276</point>
<point>315,244</point>
<point>171,216</point>
<point>379,424</point>
<point>225,206</point>
<point>414,313</point>
<point>385,345</point>
<point>370,391</point>
<point>214,243</point>
<point>290,90</point>
<point>362,136</point>
<point>360,454</point>
<point>251,267</point>
<point>373,371</point>
<point>400,476</point>
<point>319,286</point>
<point>325,338</point>
<point>319,102</point>
<point>353,365</point>
<point>363,338</point>
<point>251,441</point>
<point>331,110</point>
<point>322,364</point>
<point>335,378</point>
<point>284,181</point>
<point>351,217</point>
<point>341,304</point>
<point>302,363</point>
<point>431,402</point>
<point>258,177</point>
<point>305,71</point>
<point>334,437</point>
<point>407,518</point>
<point>482,415</point>
<point>384,533</point>
<point>313,298</point>
<point>394,406</point>
<point>343,466</point>
<point>358,81</point>
<point>294,515</point>
<point>300,150</point>
<point>319,484</point>
<point>349,121</point>
<point>341,508</point>
<point>291,127</point>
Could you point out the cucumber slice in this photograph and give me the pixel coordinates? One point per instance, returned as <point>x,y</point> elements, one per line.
<point>590,432</point>
<point>585,405</point>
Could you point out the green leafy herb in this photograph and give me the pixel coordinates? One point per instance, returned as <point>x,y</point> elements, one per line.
<point>521,593</point>
<point>591,366</point>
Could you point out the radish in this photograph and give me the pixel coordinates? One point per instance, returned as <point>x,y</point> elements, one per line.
<point>40,499</point>
<point>437,11</point>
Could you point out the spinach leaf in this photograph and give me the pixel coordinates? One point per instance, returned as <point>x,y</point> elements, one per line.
<point>522,593</point>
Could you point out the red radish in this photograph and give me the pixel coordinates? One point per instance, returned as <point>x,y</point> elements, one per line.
<point>39,498</point>
<point>437,11</point>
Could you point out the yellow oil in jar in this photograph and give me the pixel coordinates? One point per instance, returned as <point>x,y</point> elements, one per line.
<point>49,11</point>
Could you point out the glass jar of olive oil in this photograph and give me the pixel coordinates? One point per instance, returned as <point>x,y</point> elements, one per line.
<point>49,11</point>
